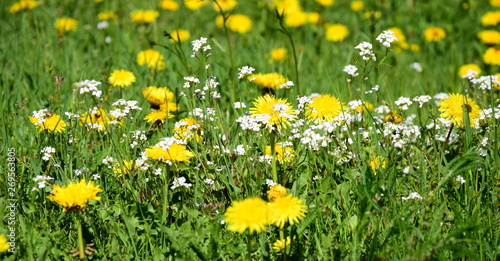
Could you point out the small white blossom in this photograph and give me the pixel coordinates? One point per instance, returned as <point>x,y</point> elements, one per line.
<point>89,86</point>
<point>416,66</point>
<point>403,103</point>
<point>239,105</point>
<point>180,182</point>
<point>270,182</point>
<point>366,51</point>
<point>460,179</point>
<point>386,38</point>
<point>244,71</point>
<point>413,195</point>
<point>351,70</point>
<point>47,153</point>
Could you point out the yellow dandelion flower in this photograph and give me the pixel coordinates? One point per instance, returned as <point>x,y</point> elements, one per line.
<point>158,115</point>
<point>125,168</point>
<point>22,5</point>
<point>225,5</point>
<point>157,96</point>
<point>237,23</point>
<point>495,3</point>
<point>276,191</point>
<point>313,17</point>
<point>188,129</point>
<point>279,54</point>
<point>121,78</point>
<point>277,112</point>
<point>65,24</point>
<point>393,117</point>
<point>268,80</point>
<point>492,56</point>
<point>250,213</point>
<point>169,106</point>
<point>464,69</point>
<point>75,195</point>
<point>325,2</point>
<point>106,15</point>
<point>323,108</point>
<point>377,163</point>
<point>144,16</point>
<point>281,245</point>
<point>336,32</point>
<point>489,36</point>
<point>96,119</point>
<point>295,18</point>
<point>283,153</point>
<point>491,18</point>
<point>286,209</point>
<point>195,4</point>
<point>453,108</point>
<point>45,120</point>
<point>434,34</point>
<point>169,150</point>
<point>152,58</point>
<point>366,106</point>
<point>169,5</point>
<point>286,6</point>
<point>180,35</point>
<point>357,6</point>
<point>4,245</point>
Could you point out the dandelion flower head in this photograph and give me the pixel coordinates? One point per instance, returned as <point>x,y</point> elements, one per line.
<point>281,244</point>
<point>434,34</point>
<point>125,168</point>
<point>106,15</point>
<point>464,69</point>
<point>45,120</point>
<point>180,35</point>
<point>225,5</point>
<point>452,109</point>
<point>169,150</point>
<point>276,191</point>
<point>377,163</point>
<point>152,58</point>
<point>269,80</point>
<point>237,23</point>
<point>489,36</point>
<point>22,5</point>
<point>283,153</point>
<point>286,209</point>
<point>357,6</point>
<point>195,4</point>
<point>158,115</point>
<point>279,54</point>
<point>323,108</point>
<point>75,195</point>
<point>96,119</point>
<point>121,78</point>
<point>393,117</point>
<point>277,112</point>
<point>157,96</point>
<point>250,213</point>
<point>144,16</point>
<point>491,18</point>
<point>492,56</point>
<point>188,129</point>
<point>65,24</point>
<point>4,245</point>
<point>336,32</point>
<point>169,5</point>
<point>325,2</point>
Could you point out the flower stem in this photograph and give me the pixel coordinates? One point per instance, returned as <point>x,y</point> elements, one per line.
<point>273,157</point>
<point>81,249</point>
<point>165,196</point>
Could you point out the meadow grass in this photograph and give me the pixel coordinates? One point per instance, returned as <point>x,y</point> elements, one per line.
<point>354,173</point>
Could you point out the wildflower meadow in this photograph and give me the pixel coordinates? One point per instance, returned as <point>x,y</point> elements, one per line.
<point>250,130</point>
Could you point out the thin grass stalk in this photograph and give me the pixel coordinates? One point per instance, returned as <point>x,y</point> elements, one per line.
<point>81,249</point>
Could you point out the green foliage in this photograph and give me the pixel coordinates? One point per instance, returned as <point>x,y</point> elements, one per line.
<point>354,210</point>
